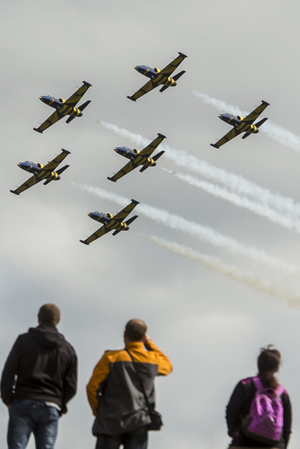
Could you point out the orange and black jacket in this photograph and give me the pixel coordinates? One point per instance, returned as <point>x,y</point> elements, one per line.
<point>114,391</point>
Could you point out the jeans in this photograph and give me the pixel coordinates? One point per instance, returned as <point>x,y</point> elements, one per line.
<point>136,439</point>
<point>29,416</point>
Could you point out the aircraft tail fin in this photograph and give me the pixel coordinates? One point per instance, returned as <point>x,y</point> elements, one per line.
<point>128,222</point>
<point>163,88</point>
<point>258,124</point>
<point>158,155</point>
<point>144,168</point>
<point>246,135</point>
<point>176,77</point>
<point>84,105</point>
<point>61,170</point>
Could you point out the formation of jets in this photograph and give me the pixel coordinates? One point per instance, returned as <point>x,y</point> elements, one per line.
<point>143,158</point>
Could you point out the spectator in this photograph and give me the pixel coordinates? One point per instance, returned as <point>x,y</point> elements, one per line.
<point>38,380</point>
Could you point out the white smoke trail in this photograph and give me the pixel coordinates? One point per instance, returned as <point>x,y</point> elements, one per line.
<point>250,280</point>
<point>269,128</point>
<point>234,182</point>
<point>254,206</point>
<point>203,233</point>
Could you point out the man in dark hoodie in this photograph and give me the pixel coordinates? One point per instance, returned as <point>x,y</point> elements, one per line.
<point>38,379</point>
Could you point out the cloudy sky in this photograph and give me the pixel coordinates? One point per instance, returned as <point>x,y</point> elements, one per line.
<point>212,262</point>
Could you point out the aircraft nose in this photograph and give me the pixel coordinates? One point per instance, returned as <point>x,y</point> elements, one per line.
<point>80,114</point>
<point>175,84</point>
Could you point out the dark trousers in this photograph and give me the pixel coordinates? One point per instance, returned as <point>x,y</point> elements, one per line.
<point>136,439</point>
<point>26,417</point>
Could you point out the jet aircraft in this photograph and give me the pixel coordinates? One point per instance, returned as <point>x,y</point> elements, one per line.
<point>111,222</point>
<point>158,77</point>
<point>64,107</point>
<point>241,124</point>
<point>41,172</point>
<point>138,157</point>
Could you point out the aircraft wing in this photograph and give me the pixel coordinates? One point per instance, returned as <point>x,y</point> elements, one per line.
<point>169,69</point>
<point>27,184</point>
<point>126,169</point>
<point>148,150</point>
<point>50,121</point>
<point>143,90</point>
<point>99,233</point>
<point>73,100</point>
<point>120,216</point>
<point>51,166</point>
<point>230,135</point>
<point>256,113</point>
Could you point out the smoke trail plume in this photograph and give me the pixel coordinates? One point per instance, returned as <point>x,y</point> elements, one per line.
<point>254,206</point>
<point>269,128</point>
<point>250,280</point>
<point>234,182</point>
<point>203,233</point>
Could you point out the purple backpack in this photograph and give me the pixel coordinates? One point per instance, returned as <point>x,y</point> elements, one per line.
<point>264,422</point>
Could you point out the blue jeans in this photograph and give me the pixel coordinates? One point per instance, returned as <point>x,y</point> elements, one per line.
<point>28,416</point>
<point>136,439</point>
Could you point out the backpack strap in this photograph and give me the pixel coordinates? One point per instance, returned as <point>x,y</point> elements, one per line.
<point>257,383</point>
<point>259,386</point>
<point>279,390</point>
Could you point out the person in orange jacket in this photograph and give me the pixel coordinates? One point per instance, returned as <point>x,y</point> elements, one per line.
<point>115,393</point>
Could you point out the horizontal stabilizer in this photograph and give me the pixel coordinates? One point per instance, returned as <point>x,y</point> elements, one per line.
<point>69,119</point>
<point>246,135</point>
<point>144,168</point>
<point>163,88</point>
<point>128,222</point>
<point>176,77</point>
<point>158,155</point>
<point>258,124</point>
<point>62,169</point>
<point>84,105</point>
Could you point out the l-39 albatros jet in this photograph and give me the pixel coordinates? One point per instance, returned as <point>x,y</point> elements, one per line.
<point>111,222</point>
<point>138,157</point>
<point>158,77</point>
<point>41,172</point>
<point>64,107</point>
<point>241,124</point>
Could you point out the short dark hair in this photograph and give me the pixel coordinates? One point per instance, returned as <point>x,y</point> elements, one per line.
<point>49,314</point>
<point>135,329</point>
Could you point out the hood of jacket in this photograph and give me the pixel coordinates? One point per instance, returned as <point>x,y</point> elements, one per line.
<point>47,335</point>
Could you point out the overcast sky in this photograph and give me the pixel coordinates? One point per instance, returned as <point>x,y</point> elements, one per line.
<point>212,263</point>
